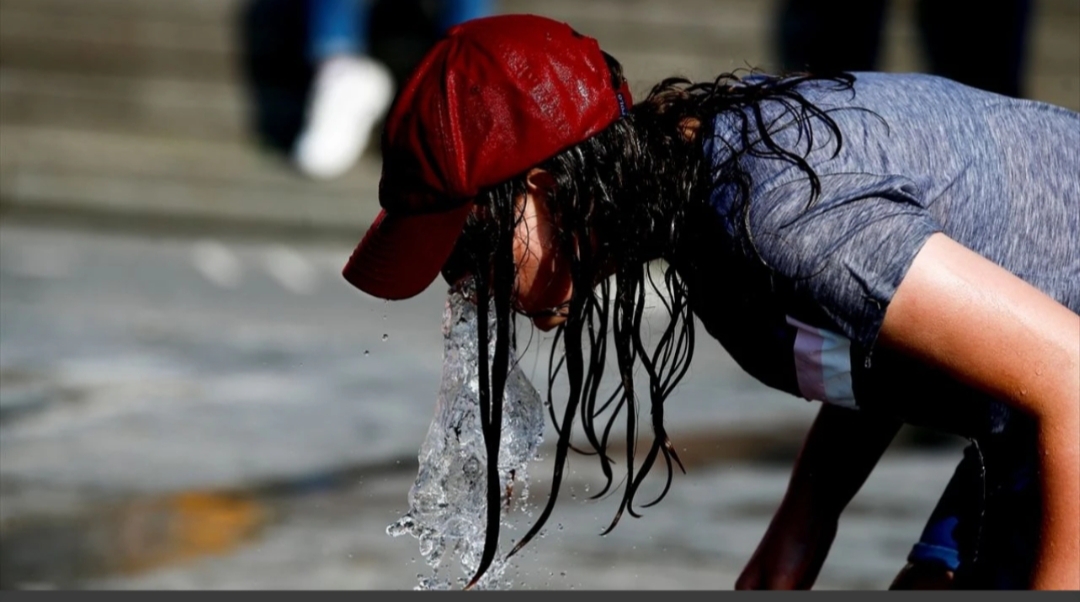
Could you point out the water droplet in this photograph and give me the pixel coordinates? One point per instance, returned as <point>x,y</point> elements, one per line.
<point>562,573</point>
<point>385,337</point>
<point>366,353</point>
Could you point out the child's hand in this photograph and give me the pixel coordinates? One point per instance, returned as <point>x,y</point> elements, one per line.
<point>792,552</point>
<point>840,450</point>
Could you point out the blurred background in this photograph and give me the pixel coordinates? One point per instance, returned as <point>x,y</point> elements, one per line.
<point>192,397</point>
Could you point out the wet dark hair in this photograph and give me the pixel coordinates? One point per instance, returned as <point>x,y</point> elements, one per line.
<point>622,198</point>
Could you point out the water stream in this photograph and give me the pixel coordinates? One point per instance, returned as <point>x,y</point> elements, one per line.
<point>447,502</point>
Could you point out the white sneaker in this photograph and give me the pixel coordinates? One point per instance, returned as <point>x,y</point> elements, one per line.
<point>349,96</point>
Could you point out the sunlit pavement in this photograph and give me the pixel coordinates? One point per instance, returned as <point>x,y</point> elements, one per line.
<point>182,412</point>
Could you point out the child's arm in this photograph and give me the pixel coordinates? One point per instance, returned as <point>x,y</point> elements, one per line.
<point>984,326</point>
<point>840,450</point>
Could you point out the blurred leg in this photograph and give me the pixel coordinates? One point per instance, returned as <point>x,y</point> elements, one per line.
<point>452,12</point>
<point>946,538</point>
<point>337,27</point>
<point>984,531</point>
<point>349,94</point>
<point>1009,534</point>
<point>829,35</point>
<point>981,43</point>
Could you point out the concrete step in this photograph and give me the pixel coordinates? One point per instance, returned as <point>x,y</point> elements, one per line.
<point>144,106</point>
<point>77,37</point>
<point>222,111</point>
<point>56,170</point>
<point>185,10</point>
<point>204,39</point>
<point>96,37</point>
<point>158,67</point>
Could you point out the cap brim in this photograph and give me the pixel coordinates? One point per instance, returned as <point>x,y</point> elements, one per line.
<point>401,255</point>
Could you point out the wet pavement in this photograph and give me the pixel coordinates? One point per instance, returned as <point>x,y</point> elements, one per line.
<point>186,412</point>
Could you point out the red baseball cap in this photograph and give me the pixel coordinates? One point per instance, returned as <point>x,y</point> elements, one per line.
<point>493,98</point>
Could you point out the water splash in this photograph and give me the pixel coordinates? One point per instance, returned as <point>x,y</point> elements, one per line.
<point>447,502</point>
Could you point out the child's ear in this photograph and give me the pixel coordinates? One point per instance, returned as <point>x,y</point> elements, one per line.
<point>540,182</point>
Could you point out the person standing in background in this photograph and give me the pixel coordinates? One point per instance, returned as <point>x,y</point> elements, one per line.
<point>351,90</point>
<point>981,43</point>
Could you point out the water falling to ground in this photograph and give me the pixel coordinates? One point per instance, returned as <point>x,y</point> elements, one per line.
<point>447,502</point>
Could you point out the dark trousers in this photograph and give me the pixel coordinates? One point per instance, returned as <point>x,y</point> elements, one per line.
<point>981,43</point>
